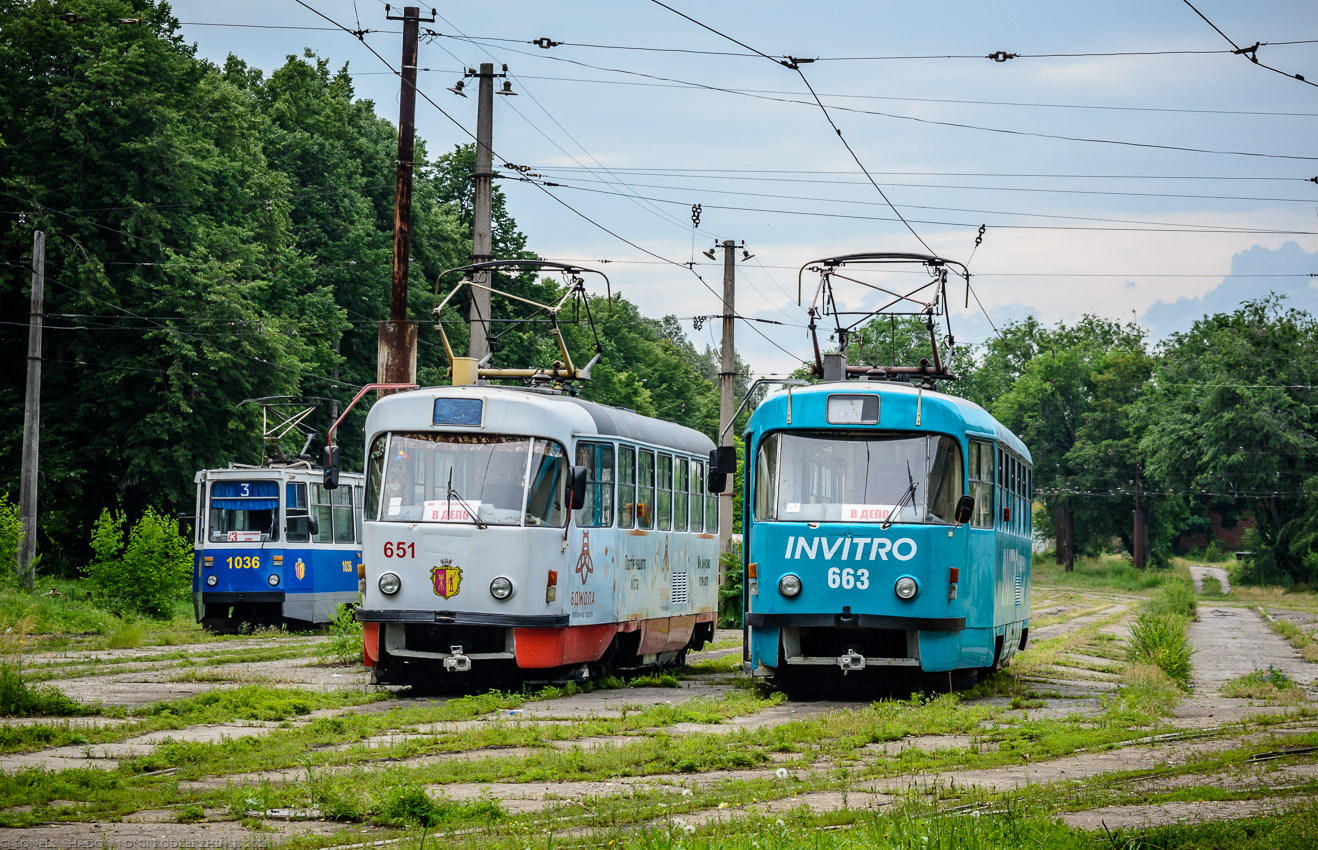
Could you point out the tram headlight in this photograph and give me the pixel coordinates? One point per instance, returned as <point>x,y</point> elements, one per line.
<point>501,588</point>
<point>789,586</point>
<point>905,588</point>
<point>212,580</point>
<point>390,584</point>
<point>274,579</point>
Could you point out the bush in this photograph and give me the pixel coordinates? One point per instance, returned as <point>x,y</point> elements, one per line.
<point>730,593</point>
<point>1160,640</point>
<point>1175,597</point>
<point>11,538</point>
<point>148,574</point>
<point>345,638</point>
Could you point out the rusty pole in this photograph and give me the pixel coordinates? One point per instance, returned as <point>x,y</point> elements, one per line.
<point>396,359</point>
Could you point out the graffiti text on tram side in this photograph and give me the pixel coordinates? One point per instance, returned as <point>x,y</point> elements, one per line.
<point>850,548</point>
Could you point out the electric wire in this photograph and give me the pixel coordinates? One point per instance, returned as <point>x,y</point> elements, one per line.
<point>1250,53</point>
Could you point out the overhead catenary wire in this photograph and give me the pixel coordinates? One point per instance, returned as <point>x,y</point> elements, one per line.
<point>544,189</point>
<point>1250,53</point>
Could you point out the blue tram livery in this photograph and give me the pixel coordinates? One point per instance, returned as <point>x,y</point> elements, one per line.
<point>273,546</point>
<point>886,526</point>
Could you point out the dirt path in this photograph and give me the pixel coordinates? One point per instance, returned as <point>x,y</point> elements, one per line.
<point>1199,572</point>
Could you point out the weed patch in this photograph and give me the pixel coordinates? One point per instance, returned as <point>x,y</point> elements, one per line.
<point>345,638</point>
<point>1272,686</point>
<point>1160,640</point>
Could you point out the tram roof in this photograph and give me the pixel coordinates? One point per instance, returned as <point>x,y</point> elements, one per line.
<point>940,412</point>
<point>606,421</point>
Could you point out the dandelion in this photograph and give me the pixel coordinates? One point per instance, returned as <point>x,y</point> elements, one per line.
<point>689,829</point>
<point>722,805</point>
<point>780,822</point>
<point>781,773</point>
<point>686,792</point>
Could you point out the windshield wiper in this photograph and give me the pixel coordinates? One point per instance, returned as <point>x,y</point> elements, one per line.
<point>907,497</point>
<point>453,494</point>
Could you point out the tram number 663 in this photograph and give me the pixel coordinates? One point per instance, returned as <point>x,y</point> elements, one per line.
<point>847,578</point>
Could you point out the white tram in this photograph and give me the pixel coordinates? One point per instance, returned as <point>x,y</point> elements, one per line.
<point>530,533</point>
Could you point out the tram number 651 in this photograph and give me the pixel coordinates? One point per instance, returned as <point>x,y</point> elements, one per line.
<point>400,550</point>
<point>847,578</point>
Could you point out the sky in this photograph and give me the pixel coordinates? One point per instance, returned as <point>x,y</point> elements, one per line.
<point>1124,162</point>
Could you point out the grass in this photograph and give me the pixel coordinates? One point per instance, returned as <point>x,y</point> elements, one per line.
<point>1107,572</point>
<point>1159,640</point>
<point>1271,686</point>
<point>1296,636</point>
<point>345,638</point>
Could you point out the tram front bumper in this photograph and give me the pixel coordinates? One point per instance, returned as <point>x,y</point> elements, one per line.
<point>854,641</point>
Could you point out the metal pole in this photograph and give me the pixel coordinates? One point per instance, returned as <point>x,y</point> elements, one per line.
<point>727,376</point>
<point>482,239</point>
<point>27,500</point>
<point>1137,545</point>
<point>396,360</point>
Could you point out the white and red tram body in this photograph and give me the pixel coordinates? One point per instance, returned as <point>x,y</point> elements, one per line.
<point>474,558</point>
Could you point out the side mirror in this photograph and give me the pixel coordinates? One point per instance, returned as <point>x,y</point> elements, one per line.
<point>184,525</point>
<point>576,486</point>
<point>331,465</point>
<point>313,527</point>
<point>965,509</point>
<point>722,463</point>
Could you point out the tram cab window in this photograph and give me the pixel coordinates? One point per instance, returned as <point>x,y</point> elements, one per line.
<point>374,475</point>
<point>297,511</point>
<point>697,495</point>
<point>244,511</point>
<point>665,494</point>
<point>861,478</point>
<point>598,508</point>
<point>981,483</point>
<point>645,489</point>
<point>626,486</point>
<point>681,483</point>
<point>545,503</point>
<point>357,514</point>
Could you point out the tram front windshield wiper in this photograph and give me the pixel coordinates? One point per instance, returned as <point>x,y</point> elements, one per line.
<point>453,494</point>
<point>907,498</point>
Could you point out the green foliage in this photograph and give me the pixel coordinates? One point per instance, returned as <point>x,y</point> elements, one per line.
<point>1271,685</point>
<point>1175,597</point>
<point>345,638</point>
<point>11,539</point>
<point>1160,640</point>
<point>147,575</point>
<point>730,599</point>
<point>20,699</point>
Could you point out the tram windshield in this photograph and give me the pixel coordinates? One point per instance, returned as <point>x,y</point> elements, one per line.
<point>804,477</point>
<point>496,479</point>
<point>244,511</point>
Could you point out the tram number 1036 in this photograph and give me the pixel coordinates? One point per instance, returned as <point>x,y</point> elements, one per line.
<point>847,578</point>
<point>400,550</point>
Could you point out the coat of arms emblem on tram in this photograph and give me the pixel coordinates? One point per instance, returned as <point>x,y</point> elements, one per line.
<point>300,570</point>
<point>445,578</point>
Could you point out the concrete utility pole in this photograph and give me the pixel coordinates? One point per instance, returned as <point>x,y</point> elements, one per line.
<point>27,499</point>
<point>396,360</point>
<point>726,401</point>
<point>482,238</point>
<point>1137,544</point>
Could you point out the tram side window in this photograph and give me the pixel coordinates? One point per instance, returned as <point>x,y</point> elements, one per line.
<point>981,483</point>
<point>697,495</point>
<point>681,484</point>
<point>344,527</point>
<point>626,486</point>
<point>598,508</point>
<point>645,490</point>
<point>323,510</point>
<point>665,495</point>
<point>1029,500</point>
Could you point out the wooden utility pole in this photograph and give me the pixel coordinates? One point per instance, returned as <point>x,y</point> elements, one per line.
<point>27,499</point>
<point>1137,545</point>
<point>396,359</point>
<point>726,385</point>
<point>482,237</point>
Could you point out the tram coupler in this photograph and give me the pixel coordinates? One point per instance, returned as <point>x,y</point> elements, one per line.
<point>851,661</point>
<point>456,661</point>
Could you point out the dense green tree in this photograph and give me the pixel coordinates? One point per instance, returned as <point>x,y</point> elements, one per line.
<point>1229,421</point>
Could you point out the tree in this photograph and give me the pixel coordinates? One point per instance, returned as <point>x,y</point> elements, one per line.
<point>1228,421</point>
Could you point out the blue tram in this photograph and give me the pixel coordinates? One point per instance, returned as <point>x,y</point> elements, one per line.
<point>886,526</point>
<point>272,546</point>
